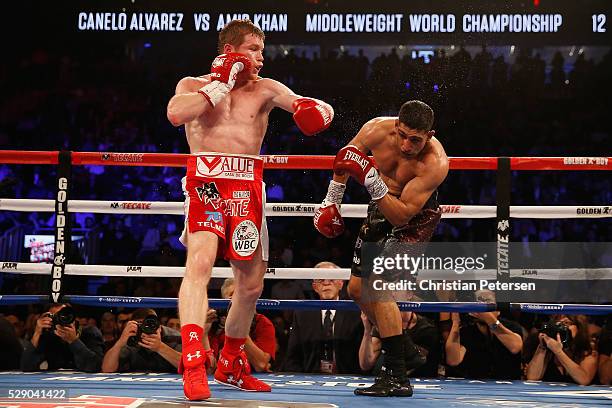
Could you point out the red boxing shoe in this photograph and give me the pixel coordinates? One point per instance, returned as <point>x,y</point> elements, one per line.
<point>235,371</point>
<point>193,366</point>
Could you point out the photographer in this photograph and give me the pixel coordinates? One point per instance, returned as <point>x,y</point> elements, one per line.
<point>483,345</point>
<point>260,345</point>
<point>144,345</point>
<point>564,352</point>
<point>424,336</point>
<point>59,342</point>
<point>605,349</point>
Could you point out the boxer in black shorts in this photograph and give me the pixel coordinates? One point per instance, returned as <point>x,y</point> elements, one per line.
<point>408,165</point>
<point>377,229</point>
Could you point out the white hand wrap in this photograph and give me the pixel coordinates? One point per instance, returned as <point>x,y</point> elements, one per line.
<point>375,185</point>
<point>335,192</point>
<point>217,90</point>
<point>214,92</point>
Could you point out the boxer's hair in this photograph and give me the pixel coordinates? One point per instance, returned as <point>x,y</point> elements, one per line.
<point>417,115</point>
<point>233,33</point>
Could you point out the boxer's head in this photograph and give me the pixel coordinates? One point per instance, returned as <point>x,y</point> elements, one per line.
<point>413,127</point>
<point>246,38</point>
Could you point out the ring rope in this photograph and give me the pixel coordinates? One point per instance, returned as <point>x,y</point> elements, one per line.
<point>296,162</point>
<point>273,304</point>
<point>304,209</point>
<point>142,271</point>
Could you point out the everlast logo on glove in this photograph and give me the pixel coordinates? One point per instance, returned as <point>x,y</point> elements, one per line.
<point>324,114</point>
<point>363,162</point>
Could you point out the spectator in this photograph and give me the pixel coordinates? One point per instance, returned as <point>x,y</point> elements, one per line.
<point>10,346</point>
<point>122,319</point>
<point>137,350</point>
<point>174,323</point>
<point>555,359</point>
<point>108,327</point>
<point>17,323</point>
<point>605,349</point>
<point>54,345</point>
<point>484,345</point>
<point>260,345</point>
<point>421,330</point>
<point>325,341</point>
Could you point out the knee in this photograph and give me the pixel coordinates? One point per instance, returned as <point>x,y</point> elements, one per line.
<point>199,265</point>
<point>249,292</point>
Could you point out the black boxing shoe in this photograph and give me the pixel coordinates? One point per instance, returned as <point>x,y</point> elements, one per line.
<point>387,385</point>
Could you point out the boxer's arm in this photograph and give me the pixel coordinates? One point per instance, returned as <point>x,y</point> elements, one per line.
<point>310,115</point>
<point>187,104</point>
<point>364,140</point>
<point>414,195</point>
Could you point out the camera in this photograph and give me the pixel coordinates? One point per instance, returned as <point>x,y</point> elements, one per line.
<point>63,317</point>
<point>149,325</point>
<point>467,320</point>
<point>551,329</point>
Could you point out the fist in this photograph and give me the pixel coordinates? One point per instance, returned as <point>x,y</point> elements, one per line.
<point>224,71</point>
<point>328,221</point>
<point>225,67</point>
<point>362,168</point>
<point>311,115</point>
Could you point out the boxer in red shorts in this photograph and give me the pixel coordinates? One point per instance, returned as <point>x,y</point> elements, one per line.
<point>225,114</point>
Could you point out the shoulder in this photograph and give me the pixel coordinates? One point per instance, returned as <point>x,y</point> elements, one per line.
<point>272,85</point>
<point>435,160</point>
<point>190,83</point>
<point>91,331</point>
<point>380,124</point>
<point>376,130</point>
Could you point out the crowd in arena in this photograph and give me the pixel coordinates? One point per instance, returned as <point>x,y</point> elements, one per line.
<point>485,106</point>
<point>560,348</point>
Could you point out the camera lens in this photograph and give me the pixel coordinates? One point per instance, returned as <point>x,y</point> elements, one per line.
<point>65,316</point>
<point>150,324</point>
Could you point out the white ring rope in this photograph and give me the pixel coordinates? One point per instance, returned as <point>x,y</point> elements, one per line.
<point>304,209</point>
<point>133,271</point>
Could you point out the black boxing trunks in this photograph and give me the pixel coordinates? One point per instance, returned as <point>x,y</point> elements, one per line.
<point>376,229</point>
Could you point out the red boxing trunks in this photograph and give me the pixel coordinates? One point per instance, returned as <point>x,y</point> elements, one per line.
<point>225,195</point>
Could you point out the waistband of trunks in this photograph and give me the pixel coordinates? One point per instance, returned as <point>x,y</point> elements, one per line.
<point>250,156</point>
<point>226,166</point>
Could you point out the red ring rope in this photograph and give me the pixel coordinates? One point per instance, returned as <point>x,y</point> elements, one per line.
<point>296,162</point>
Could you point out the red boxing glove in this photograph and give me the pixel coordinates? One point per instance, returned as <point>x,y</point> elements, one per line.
<point>223,73</point>
<point>312,115</point>
<point>358,165</point>
<point>327,219</point>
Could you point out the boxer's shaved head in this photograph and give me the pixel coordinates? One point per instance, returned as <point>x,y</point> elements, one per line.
<point>234,31</point>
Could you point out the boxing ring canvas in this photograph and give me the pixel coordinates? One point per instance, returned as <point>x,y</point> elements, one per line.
<point>132,390</point>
